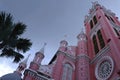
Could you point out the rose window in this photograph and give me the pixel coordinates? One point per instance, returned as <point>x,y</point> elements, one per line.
<point>104,68</point>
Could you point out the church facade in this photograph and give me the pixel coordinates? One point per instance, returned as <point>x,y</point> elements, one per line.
<point>95,57</point>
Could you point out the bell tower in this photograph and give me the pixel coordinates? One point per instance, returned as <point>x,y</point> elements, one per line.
<point>103,33</point>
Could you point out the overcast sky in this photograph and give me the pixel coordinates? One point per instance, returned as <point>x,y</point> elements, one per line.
<point>48,21</point>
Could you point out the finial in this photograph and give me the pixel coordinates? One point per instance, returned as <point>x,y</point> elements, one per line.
<point>25,61</point>
<point>82,31</point>
<point>95,3</point>
<point>65,37</point>
<point>81,35</point>
<point>42,49</point>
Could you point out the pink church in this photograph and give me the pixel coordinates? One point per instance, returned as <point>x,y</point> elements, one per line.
<point>95,57</point>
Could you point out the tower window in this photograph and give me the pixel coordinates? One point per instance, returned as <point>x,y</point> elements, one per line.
<point>112,19</point>
<point>101,41</point>
<point>96,49</point>
<point>91,24</point>
<point>116,31</point>
<point>107,17</point>
<point>95,20</point>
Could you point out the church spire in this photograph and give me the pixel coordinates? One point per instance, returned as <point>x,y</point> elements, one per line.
<point>82,31</point>
<point>25,61</point>
<point>39,55</point>
<point>43,48</point>
<point>22,65</point>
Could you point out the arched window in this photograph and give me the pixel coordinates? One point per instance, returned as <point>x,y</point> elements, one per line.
<point>96,49</point>
<point>91,24</point>
<point>67,72</point>
<point>101,40</point>
<point>95,20</point>
<point>112,19</point>
<point>107,17</point>
<point>116,31</point>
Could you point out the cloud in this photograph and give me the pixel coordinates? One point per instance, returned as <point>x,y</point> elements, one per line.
<point>6,66</point>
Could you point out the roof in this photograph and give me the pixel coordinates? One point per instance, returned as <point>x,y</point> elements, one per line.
<point>11,76</point>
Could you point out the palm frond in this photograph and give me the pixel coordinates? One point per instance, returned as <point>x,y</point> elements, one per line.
<point>18,57</point>
<point>5,25</point>
<point>19,29</point>
<point>23,44</point>
<point>11,53</point>
<point>2,17</point>
<point>7,52</point>
<point>5,19</point>
<point>10,43</point>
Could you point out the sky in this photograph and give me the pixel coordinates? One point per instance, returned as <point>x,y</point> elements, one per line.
<point>49,21</point>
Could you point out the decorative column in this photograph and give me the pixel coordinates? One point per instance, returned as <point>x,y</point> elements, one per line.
<point>57,71</point>
<point>82,61</point>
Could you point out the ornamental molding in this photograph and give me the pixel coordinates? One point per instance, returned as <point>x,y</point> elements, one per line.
<point>115,25</point>
<point>40,77</point>
<point>89,17</point>
<point>30,72</point>
<point>103,9</point>
<point>73,58</point>
<point>83,56</point>
<point>107,11</point>
<point>35,75</point>
<point>95,6</point>
<point>101,53</point>
<point>104,68</point>
<point>67,55</point>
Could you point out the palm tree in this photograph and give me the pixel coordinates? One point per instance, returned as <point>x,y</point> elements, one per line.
<point>11,43</point>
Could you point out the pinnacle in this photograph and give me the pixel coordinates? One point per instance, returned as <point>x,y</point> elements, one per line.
<point>42,49</point>
<point>25,61</point>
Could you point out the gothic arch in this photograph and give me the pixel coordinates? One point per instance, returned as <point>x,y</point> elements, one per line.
<point>70,63</point>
